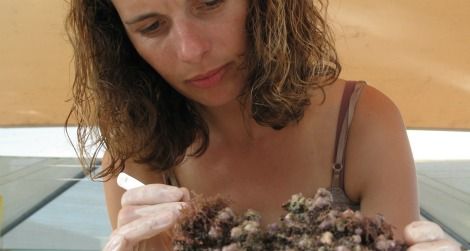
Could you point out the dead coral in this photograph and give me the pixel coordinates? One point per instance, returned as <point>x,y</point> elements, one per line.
<point>309,224</point>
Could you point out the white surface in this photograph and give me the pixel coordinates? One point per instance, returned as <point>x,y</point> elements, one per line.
<point>439,145</point>
<point>52,142</point>
<point>37,142</point>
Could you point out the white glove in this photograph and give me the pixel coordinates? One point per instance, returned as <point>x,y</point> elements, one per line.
<point>427,236</point>
<point>147,211</point>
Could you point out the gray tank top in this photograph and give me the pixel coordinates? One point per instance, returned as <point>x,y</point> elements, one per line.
<point>351,94</point>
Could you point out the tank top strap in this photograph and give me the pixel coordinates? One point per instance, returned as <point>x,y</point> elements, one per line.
<point>351,95</point>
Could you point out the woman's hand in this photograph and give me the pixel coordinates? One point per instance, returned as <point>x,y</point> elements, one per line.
<point>146,212</point>
<point>427,236</point>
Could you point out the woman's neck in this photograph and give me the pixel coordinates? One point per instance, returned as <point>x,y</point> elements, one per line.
<point>233,124</point>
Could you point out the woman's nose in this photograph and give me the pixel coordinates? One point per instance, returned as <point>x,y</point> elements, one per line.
<point>191,42</point>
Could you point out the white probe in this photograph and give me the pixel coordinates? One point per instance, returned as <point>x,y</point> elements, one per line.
<point>128,182</point>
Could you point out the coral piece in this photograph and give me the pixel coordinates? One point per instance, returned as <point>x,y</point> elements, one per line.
<point>309,224</point>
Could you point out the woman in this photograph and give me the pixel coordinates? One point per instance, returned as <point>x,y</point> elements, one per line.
<point>233,97</point>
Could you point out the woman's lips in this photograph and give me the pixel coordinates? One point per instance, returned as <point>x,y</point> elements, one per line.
<point>209,79</point>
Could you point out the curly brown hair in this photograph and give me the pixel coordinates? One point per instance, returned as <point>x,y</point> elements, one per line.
<point>122,103</point>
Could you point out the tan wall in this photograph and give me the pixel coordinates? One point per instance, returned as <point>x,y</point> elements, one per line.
<point>34,62</point>
<point>416,52</point>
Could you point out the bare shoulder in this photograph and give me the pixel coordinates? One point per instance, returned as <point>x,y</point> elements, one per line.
<point>375,108</point>
<point>380,166</point>
<point>377,132</point>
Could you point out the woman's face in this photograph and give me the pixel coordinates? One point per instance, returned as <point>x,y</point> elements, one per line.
<point>196,45</point>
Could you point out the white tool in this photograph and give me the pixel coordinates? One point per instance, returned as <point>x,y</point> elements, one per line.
<point>128,182</point>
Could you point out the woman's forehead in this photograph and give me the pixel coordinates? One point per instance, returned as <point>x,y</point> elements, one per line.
<point>128,8</point>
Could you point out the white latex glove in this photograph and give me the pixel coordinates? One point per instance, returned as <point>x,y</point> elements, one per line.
<point>427,236</point>
<point>146,212</point>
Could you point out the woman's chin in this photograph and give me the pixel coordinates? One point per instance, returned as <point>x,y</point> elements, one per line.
<point>217,99</point>
<point>219,103</point>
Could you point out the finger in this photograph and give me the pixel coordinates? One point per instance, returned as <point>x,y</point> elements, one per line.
<point>439,245</point>
<point>422,231</point>
<point>129,235</point>
<point>186,194</point>
<point>151,194</point>
<point>130,213</point>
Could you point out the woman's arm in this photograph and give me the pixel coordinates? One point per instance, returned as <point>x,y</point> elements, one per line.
<point>113,194</point>
<point>380,162</point>
<point>383,169</point>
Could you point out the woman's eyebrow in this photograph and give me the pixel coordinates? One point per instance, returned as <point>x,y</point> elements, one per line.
<point>142,17</point>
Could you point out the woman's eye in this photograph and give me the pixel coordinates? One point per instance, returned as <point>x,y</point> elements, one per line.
<point>153,27</point>
<point>210,4</point>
